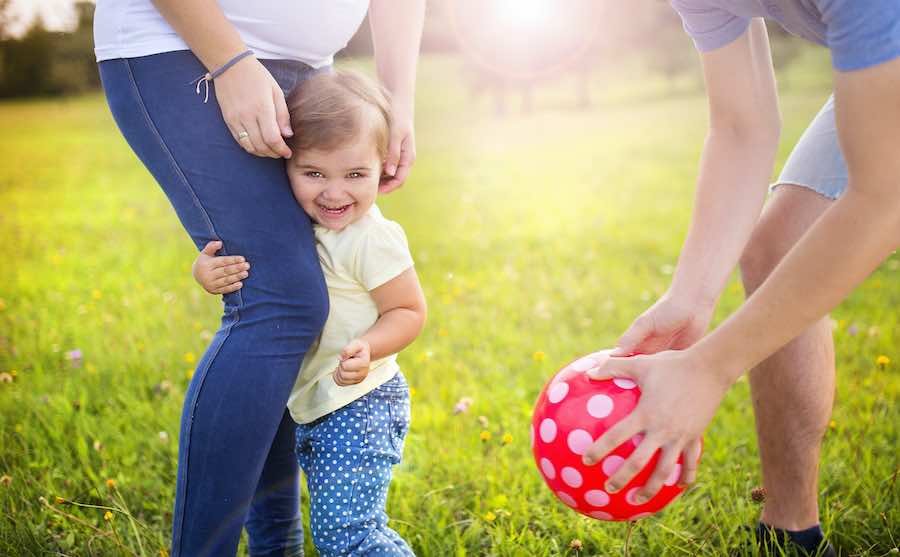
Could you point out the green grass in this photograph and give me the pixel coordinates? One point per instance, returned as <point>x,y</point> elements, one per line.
<point>539,233</point>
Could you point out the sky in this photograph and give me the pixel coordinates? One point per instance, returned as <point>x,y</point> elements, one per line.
<point>57,14</point>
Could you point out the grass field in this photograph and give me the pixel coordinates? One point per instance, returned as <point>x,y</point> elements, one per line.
<point>538,237</point>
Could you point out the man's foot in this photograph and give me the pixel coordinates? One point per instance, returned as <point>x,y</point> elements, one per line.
<point>810,542</point>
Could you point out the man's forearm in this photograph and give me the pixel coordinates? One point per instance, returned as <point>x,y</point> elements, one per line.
<point>844,246</point>
<point>396,33</point>
<point>734,175</point>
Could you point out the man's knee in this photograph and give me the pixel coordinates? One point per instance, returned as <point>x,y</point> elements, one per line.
<point>762,254</point>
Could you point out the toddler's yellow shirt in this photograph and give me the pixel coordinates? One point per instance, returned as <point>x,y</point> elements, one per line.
<point>355,260</point>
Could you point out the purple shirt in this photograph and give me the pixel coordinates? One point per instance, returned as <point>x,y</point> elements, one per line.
<point>860,33</point>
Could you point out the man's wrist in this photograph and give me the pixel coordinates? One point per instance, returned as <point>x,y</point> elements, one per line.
<point>694,293</point>
<point>725,365</point>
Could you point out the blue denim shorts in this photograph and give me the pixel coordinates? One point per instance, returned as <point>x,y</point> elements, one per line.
<point>817,162</point>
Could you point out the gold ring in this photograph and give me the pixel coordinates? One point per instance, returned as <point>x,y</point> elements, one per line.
<point>244,134</point>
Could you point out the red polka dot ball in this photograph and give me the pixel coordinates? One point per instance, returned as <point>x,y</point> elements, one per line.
<point>571,413</point>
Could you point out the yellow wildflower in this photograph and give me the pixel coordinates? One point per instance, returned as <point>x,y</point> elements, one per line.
<point>96,294</point>
<point>5,480</point>
<point>412,392</point>
<point>485,436</point>
<point>538,356</point>
<point>442,332</point>
<point>60,500</point>
<point>189,373</point>
<point>507,438</point>
<point>832,424</point>
<point>190,358</point>
<point>107,516</point>
<point>882,361</point>
<point>2,304</point>
<point>110,483</point>
<point>489,516</point>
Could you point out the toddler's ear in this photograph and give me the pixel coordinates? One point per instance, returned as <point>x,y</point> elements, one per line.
<point>211,248</point>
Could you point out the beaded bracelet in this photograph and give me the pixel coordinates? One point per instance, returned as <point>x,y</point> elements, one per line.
<point>209,76</point>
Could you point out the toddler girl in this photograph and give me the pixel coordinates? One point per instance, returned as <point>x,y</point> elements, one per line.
<point>350,400</point>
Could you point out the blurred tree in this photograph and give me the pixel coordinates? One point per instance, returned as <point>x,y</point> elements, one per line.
<point>669,49</point>
<point>74,69</point>
<point>43,62</point>
<point>25,63</point>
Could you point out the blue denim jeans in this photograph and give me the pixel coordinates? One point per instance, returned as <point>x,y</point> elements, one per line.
<point>347,457</point>
<point>235,458</point>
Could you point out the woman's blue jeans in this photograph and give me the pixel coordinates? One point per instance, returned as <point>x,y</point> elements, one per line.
<point>235,458</point>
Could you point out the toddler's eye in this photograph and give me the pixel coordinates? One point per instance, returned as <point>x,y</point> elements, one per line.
<point>356,175</point>
<point>313,174</point>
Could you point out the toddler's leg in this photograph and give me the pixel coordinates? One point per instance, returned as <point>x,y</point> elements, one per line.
<point>349,470</point>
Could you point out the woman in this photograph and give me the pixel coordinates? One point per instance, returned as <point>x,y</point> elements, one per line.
<point>218,155</point>
<point>834,217</point>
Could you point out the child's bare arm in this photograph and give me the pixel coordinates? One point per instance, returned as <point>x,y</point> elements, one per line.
<point>402,310</point>
<point>219,274</point>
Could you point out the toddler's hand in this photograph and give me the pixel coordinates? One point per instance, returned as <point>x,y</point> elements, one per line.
<point>354,366</point>
<point>219,275</point>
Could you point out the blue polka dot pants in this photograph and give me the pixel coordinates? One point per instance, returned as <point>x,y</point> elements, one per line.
<point>347,458</point>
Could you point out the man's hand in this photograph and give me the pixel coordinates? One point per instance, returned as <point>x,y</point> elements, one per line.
<point>672,323</point>
<point>679,396</point>
<point>354,365</point>
<point>219,275</point>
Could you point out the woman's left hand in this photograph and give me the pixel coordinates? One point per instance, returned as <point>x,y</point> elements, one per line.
<point>680,393</point>
<point>401,150</point>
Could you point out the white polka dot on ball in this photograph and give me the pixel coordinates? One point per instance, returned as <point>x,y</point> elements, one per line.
<point>596,498</point>
<point>600,406</point>
<point>632,493</point>
<point>611,464</point>
<point>548,469</point>
<point>557,392</point>
<point>578,441</point>
<point>623,383</point>
<point>567,499</point>
<point>571,477</point>
<point>584,364</point>
<point>548,430</point>
<point>673,477</point>
<point>600,515</point>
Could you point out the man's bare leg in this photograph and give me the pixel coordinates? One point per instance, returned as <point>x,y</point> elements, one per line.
<point>793,390</point>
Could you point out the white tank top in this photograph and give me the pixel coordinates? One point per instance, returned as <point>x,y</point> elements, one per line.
<point>310,31</point>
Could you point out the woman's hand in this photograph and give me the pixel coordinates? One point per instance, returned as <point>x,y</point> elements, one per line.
<point>219,275</point>
<point>679,396</point>
<point>254,109</point>
<point>401,150</point>
<point>354,365</point>
<point>672,323</point>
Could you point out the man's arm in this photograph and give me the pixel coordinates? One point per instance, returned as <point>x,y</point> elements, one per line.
<point>744,125</point>
<point>682,390</point>
<point>845,245</point>
<point>737,161</point>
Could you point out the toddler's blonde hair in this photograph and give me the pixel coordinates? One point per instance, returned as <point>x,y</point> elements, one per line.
<point>331,109</point>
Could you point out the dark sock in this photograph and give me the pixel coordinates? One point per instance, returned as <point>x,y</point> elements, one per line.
<point>808,540</point>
